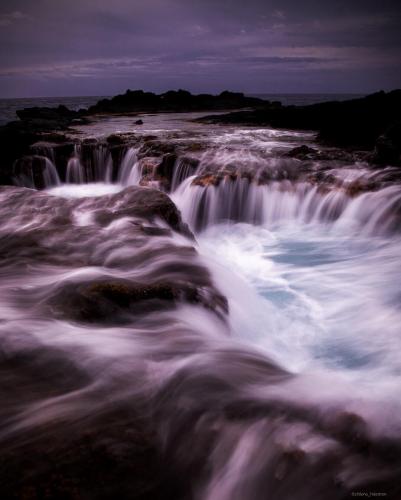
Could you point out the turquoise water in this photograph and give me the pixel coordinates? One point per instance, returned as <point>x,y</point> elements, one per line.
<point>314,296</point>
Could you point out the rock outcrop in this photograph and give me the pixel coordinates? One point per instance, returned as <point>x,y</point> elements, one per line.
<point>181,100</point>
<point>356,123</point>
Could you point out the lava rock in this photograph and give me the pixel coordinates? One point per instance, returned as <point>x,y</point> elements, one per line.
<point>180,100</point>
<point>388,146</point>
<point>302,152</point>
<point>355,123</point>
<point>114,301</point>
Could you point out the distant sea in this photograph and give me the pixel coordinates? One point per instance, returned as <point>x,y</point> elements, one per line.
<point>8,107</point>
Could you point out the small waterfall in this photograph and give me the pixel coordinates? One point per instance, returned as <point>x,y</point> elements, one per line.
<point>75,170</point>
<point>36,172</point>
<point>130,173</point>
<point>184,168</point>
<point>102,163</point>
<point>50,174</point>
<point>244,201</point>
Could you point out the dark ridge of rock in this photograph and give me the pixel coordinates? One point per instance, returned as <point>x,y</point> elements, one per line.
<point>120,138</point>
<point>114,301</point>
<point>60,114</point>
<point>355,123</point>
<point>156,148</point>
<point>180,101</point>
<point>305,153</point>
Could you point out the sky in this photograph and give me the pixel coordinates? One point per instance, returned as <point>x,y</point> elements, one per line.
<point>99,47</point>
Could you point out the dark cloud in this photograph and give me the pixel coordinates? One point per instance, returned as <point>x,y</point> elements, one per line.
<point>102,47</point>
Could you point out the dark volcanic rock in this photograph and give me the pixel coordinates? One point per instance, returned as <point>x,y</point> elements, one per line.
<point>302,153</point>
<point>356,123</point>
<point>35,125</point>
<point>113,301</point>
<point>145,203</point>
<point>30,171</point>
<point>165,170</point>
<point>114,455</point>
<point>305,153</point>
<point>388,146</point>
<point>180,100</point>
<point>61,114</point>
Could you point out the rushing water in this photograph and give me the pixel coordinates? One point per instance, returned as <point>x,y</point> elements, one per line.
<point>265,363</point>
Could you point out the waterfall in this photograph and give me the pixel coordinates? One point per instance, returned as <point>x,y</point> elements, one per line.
<point>102,163</point>
<point>184,168</point>
<point>36,172</point>
<point>129,173</point>
<point>244,201</point>
<point>50,174</point>
<point>75,170</point>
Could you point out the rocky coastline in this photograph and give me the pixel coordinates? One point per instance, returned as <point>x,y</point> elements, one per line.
<point>366,128</point>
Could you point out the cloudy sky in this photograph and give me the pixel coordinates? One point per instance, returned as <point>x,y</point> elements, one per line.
<point>99,47</point>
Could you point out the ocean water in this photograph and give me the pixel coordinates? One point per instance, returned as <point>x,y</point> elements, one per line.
<point>305,99</point>
<point>8,107</point>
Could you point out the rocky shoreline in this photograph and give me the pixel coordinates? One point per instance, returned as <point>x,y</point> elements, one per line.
<point>123,379</point>
<point>370,123</point>
<point>366,128</point>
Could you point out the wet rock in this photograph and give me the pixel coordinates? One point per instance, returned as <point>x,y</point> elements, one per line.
<point>165,170</point>
<point>123,138</point>
<point>156,148</point>
<point>30,171</point>
<point>114,454</point>
<point>302,152</point>
<point>207,180</point>
<point>141,202</point>
<point>388,147</point>
<point>114,301</point>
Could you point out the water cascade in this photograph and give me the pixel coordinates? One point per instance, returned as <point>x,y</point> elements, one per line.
<point>245,201</point>
<point>258,359</point>
<point>129,173</point>
<point>75,170</point>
